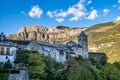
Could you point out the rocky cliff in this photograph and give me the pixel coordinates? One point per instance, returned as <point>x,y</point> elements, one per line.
<point>53,34</point>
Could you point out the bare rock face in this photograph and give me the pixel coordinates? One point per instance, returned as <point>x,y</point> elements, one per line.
<point>53,34</point>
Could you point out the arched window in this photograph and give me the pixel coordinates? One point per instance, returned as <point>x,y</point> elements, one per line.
<point>43,35</point>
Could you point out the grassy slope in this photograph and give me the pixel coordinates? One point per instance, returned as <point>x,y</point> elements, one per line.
<point>106,38</point>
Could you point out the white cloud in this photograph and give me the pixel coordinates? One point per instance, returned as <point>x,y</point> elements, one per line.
<point>35,12</point>
<point>89,2</point>
<point>78,15</point>
<point>62,14</point>
<point>59,20</point>
<point>82,1</point>
<point>93,15</point>
<point>118,18</point>
<point>49,13</point>
<point>76,12</point>
<point>106,11</point>
<point>118,1</point>
<point>55,13</point>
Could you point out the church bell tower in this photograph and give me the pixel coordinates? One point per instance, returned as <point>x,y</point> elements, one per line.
<point>83,42</point>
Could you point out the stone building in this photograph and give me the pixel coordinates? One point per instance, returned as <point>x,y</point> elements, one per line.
<point>54,50</point>
<point>7,50</point>
<point>101,57</point>
<point>59,51</point>
<point>79,49</point>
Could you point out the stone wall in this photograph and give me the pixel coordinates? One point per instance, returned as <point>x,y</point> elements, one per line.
<point>100,56</point>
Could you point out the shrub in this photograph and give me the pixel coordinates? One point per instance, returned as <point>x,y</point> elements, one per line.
<point>7,65</point>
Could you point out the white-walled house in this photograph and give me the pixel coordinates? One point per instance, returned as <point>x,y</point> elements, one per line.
<point>54,50</point>
<point>7,50</point>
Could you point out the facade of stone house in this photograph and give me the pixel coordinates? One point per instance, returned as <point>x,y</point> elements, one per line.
<point>54,50</point>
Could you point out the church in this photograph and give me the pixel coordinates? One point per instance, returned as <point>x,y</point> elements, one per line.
<point>81,48</point>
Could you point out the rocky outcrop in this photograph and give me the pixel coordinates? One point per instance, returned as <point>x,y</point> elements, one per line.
<point>53,34</point>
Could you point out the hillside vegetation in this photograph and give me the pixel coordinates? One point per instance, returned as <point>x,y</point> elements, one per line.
<point>104,37</point>
<point>42,67</point>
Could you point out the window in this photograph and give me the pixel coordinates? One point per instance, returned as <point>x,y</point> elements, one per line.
<point>61,52</point>
<point>43,35</point>
<point>84,39</point>
<point>2,50</point>
<point>8,51</point>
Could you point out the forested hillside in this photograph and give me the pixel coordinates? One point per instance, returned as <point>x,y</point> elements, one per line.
<point>104,37</point>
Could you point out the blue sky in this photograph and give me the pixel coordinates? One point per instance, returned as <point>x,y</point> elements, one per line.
<point>73,13</point>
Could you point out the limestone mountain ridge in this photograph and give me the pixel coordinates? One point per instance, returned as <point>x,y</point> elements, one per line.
<point>53,34</point>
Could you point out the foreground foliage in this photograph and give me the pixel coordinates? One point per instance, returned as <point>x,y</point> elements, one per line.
<point>46,68</point>
<point>4,76</point>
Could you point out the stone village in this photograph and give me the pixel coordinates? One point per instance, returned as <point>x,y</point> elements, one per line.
<point>8,48</point>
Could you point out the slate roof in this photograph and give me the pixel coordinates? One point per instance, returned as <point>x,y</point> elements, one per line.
<point>7,44</point>
<point>25,42</point>
<point>82,34</point>
<point>65,47</point>
<point>57,46</point>
<point>71,43</point>
<point>77,46</point>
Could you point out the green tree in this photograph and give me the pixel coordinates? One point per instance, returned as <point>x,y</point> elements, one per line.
<point>36,65</point>
<point>117,64</point>
<point>111,72</point>
<point>95,61</point>
<point>98,74</point>
<point>7,65</point>
<point>71,62</point>
<point>4,76</point>
<point>54,70</point>
<point>22,56</point>
<point>79,59</point>
<point>83,72</point>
